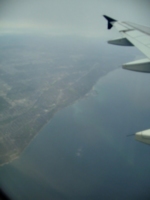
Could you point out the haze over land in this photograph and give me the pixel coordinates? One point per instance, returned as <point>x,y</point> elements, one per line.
<point>38,77</point>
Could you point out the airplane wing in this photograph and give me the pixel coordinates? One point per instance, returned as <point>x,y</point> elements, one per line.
<point>133,35</point>
<point>138,36</point>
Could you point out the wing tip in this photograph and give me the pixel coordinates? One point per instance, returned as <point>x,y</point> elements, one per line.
<point>109,19</point>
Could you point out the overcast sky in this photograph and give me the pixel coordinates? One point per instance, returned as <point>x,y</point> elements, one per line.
<point>70,17</point>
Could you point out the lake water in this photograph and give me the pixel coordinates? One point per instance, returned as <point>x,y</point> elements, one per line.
<point>83,153</point>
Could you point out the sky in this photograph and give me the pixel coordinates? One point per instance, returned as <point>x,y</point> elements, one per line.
<point>65,17</point>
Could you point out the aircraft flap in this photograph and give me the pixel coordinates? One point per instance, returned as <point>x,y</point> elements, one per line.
<point>121,42</point>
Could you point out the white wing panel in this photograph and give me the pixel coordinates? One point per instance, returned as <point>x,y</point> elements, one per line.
<point>144,39</point>
<point>139,44</point>
<point>136,37</point>
<point>121,27</point>
<point>134,33</point>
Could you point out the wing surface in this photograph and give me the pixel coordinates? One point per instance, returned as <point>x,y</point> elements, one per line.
<point>133,35</point>
<point>138,36</point>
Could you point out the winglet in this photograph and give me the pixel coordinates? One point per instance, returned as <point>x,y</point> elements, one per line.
<point>109,21</point>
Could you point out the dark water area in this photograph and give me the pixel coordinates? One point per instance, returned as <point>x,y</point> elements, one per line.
<point>83,153</point>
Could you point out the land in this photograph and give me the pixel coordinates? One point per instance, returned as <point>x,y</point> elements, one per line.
<point>35,83</point>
